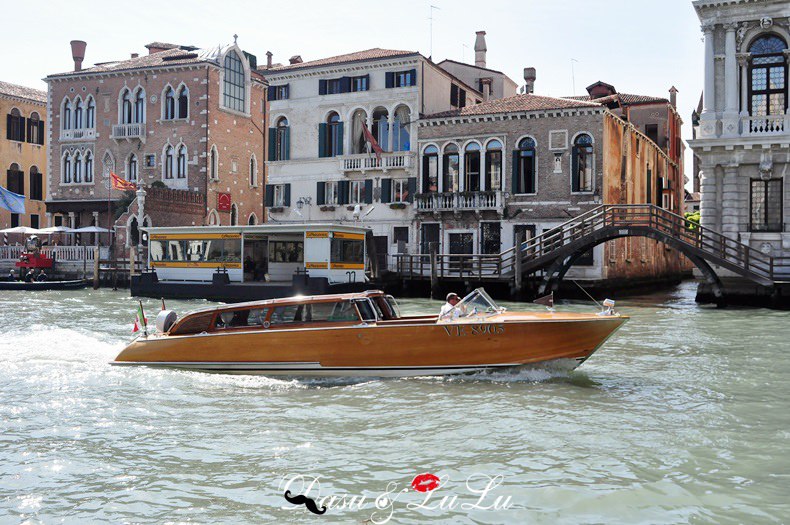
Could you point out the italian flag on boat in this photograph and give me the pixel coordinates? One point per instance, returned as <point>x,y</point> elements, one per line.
<point>140,322</point>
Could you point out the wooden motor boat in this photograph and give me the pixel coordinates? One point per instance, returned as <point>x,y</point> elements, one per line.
<point>364,334</point>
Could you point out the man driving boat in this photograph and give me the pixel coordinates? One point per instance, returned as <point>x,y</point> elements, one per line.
<point>449,311</point>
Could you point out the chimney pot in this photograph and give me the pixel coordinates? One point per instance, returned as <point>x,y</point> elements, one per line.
<point>78,53</point>
<point>673,96</point>
<point>480,49</point>
<point>269,55</point>
<point>135,55</point>
<point>296,59</point>
<point>530,75</point>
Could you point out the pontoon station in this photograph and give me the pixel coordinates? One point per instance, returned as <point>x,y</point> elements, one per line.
<point>242,263</point>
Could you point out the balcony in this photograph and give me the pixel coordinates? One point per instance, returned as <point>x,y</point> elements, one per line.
<point>128,131</point>
<point>77,134</point>
<point>388,161</point>
<point>765,125</point>
<point>462,201</point>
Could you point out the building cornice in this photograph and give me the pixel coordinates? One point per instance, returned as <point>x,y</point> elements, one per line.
<point>345,67</point>
<point>24,100</point>
<point>137,71</point>
<point>513,115</point>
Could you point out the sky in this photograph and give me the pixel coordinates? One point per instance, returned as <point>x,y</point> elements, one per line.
<point>639,46</point>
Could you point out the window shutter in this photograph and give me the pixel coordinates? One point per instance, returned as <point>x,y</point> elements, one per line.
<point>453,95</point>
<point>342,192</point>
<point>368,191</point>
<point>461,98</point>
<point>287,194</point>
<point>412,188</point>
<point>659,187</point>
<point>271,93</point>
<point>575,169</point>
<point>345,84</point>
<point>367,83</point>
<point>386,190</point>
<point>287,140</point>
<point>649,187</point>
<point>322,87</point>
<point>287,91</point>
<point>269,195</point>
<point>272,144</point>
<point>322,139</point>
<point>339,138</point>
<point>41,132</point>
<point>8,126</point>
<point>389,79</point>
<point>413,77</point>
<point>320,193</point>
<point>515,183</point>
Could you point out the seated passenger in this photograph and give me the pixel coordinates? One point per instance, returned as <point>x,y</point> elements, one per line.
<point>41,276</point>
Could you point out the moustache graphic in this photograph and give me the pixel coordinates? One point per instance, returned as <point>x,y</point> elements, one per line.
<point>301,499</point>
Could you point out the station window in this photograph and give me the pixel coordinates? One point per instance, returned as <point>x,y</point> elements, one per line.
<point>348,251</point>
<point>286,251</point>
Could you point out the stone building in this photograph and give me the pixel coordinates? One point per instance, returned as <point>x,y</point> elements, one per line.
<point>743,134</point>
<point>525,164</point>
<point>321,166</point>
<point>23,154</point>
<point>183,119</point>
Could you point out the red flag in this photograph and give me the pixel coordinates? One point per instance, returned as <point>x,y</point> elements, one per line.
<point>119,183</point>
<point>372,140</point>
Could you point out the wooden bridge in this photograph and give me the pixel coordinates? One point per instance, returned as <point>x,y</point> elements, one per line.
<point>554,251</point>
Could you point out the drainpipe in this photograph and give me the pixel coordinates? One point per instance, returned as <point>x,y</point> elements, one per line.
<point>208,146</point>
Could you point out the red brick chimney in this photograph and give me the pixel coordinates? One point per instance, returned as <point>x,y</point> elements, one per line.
<point>78,53</point>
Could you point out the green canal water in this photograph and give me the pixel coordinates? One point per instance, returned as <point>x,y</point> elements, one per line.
<point>682,417</point>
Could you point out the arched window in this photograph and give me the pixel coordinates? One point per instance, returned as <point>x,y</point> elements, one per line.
<point>450,168</point>
<point>139,106</point>
<point>213,163</point>
<point>65,121</point>
<point>183,102</point>
<point>381,128</point>
<point>67,168</point>
<point>583,164</point>
<point>36,184</point>
<point>182,162</point>
<point>253,171</point>
<point>234,85</point>
<point>282,140</point>
<point>77,167</point>
<point>331,136</point>
<point>170,104</point>
<point>253,220</point>
<point>131,168</point>
<point>88,166</point>
<point>524,166</point>
<point>472,167</point>
<point>768,77</point>
<point>494,165</point>
<point>213,218</point>
<point>430,169</point>
<point>168,162</point>
<point>35,130</point>
<point>400,133</point>
<point>90,114</point>
<point>358,122</point>
<point>126,107</point>
<point>234,214</point>
<point>78,113</point>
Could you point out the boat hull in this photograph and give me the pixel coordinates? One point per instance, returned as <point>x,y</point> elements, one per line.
<point>384,350</point>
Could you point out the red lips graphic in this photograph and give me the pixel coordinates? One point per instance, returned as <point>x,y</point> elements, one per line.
<point>425,482</point>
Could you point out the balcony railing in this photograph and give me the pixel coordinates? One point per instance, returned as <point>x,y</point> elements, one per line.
<point>129,131</point>
<point>388,161</point>
<point>764,125</point>
<point>468,200</point>
<point>77,134</point>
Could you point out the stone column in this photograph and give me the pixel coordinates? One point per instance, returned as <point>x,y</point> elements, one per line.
<point>743,62</point>
<point>708,127</point>
<point>730,202</point>
<point>49,219</point>
<point>787,112</point>
<point>708,201</point>
<point>730,117</point>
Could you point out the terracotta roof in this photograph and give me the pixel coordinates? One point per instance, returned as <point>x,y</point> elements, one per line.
<point>368,54</point>
<point>516,104</point>
<point>625,98</point>
<point>14,90</point>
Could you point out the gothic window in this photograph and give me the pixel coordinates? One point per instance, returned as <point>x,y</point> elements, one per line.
<point>524,166</point>
<point>450,168</point>
<point>281,140</point>
<point>126,107</point>
<point>65,121</point>
<point>583,164</point>
<point>88,166</point>
<point>234,86</point>
<point>170,104</point>
<point>430,169</point>
<point>182,162</point>
<point>77,167</point>
<point>253,171</point>
<point>131,169</point>
<point>168,162</point>
<point>766,205</point>
<point>183,102</point>
<point>90,114</point>
<point>213,164</point>
<point>493,165</point>
<point>472,167</point>
<point>139,106</point>
<point>78,113</point>
<point>768,77</point>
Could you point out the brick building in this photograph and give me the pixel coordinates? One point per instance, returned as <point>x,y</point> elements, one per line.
<point>179,118</point>
<point>23,153</point>
<point>528,163</point>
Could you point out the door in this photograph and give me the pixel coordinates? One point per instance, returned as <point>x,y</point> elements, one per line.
<point>460,243</point>
<point>527,229</point>
<point>382,251</point>
<point>429,233</point>
<point>490,237</point>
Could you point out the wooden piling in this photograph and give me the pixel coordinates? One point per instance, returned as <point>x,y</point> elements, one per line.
<point>434,273</point>
<point>95,268</point>
<point>518,277</point>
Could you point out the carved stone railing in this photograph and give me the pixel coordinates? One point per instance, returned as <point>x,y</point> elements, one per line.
<point>77,134</point>
<point>388,161</point>
<point>129,131</point>
<point>764,125</point>
<point>468,200</point>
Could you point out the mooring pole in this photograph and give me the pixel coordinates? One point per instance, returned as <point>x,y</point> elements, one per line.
<point>434,275</point>
<point>518,277</point>
<point>95,267</point>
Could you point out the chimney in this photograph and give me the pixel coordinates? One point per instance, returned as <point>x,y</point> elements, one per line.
<point>78,53</point>
<point>135,55</point>
<point>673,96</point>
<point>480,49</point>
<point>529,77</point>
<point>486,85</point>
<point>296,59</point>
<point>269,59</point>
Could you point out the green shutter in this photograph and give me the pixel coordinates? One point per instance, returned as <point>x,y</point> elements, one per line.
<point>322,139</point>
<point>413,77</point>
<point>287,139</point>
<point>287,194</point>
<point>515,171</point>
<point>342,192</point>
<point>320,193</point>
<point>269,198</point>
<point>386,190</point>
<point>412,188</point>
<point>368,191</point>
<point>339,138</point>
<point>389,77</point>
<point>272,143</point>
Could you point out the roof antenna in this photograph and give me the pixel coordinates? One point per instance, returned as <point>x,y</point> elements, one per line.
<point>573,76</point>
<point>430,55</point>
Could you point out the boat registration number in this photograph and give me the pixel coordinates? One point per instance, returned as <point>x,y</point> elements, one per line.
<point>474,329</point>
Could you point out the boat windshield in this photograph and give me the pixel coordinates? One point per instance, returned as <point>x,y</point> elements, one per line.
<point>477,304</point>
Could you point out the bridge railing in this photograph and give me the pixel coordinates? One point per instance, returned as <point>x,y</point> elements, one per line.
<point>449,265</point>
